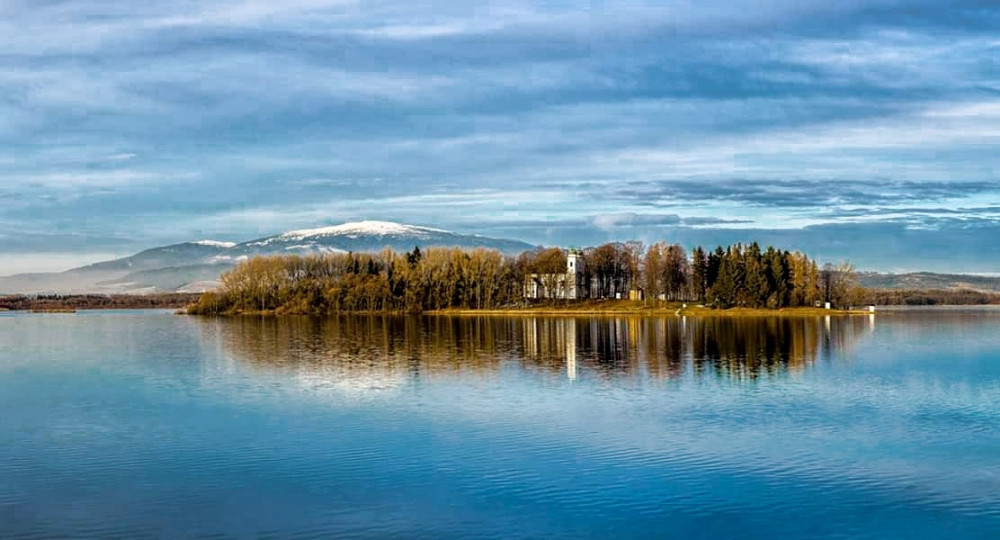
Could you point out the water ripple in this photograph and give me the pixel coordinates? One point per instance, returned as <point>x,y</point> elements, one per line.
<point>492,428</point>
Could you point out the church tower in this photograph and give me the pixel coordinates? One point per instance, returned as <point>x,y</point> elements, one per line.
<point>574,274</point>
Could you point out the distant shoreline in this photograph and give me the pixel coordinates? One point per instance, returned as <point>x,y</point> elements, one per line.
<point>609,308</point>
<point>72,303</point>
<point>569,308</point>
<point>640,309</point>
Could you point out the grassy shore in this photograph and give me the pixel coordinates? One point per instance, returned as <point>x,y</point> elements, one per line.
<point>599,308</point>
<point>72,303</point>
<point>633,308</point>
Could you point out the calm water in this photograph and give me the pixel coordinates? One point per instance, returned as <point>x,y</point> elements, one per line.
<point>152,425</point>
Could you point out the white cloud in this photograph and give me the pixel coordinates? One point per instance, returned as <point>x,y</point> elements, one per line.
<point>92,179</point>
<point>942,126</point>
<point>19,263</point>
<point>249,12</point>
<point>470,110</point>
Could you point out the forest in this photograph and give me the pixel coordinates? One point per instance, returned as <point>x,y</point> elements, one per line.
<point>96,301</point>
<point>929,297</point>
<point>481,279</point>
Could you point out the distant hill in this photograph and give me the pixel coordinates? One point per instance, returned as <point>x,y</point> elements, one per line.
<point>369,236</point>
<point>196,266</point>
<point>924,281</point>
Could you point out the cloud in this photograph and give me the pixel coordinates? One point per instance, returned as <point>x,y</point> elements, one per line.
<point>631,219</point>
<point>33,261</point>
<point>85,178</point>
<point>611,221</point>
<point>818,194</point>
<point>65,241</point>
<point>556,121</point>
<point>950,246</point>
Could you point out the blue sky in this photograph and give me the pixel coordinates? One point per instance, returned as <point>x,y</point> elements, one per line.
<point>860,130</point>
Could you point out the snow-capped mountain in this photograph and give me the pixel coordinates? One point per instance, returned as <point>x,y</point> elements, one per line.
<point>367,236</point>
<point>196,266</point>
<point>164,257</point>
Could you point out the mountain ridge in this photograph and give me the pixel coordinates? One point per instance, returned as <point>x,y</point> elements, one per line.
<point>195,266</point>
<point>189,266</point>
<point>929,281</point>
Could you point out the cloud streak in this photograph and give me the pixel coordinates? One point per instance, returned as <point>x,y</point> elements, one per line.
<point>149,122</point>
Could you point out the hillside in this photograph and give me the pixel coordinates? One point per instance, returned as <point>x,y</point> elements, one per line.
<point>196,266</point>
<point>924,281</point>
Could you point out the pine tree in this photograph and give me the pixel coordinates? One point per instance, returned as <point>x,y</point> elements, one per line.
<point>738,273</point>
<point>414,257</point>
<point>699,274</point>
<point>723,292</point>
<point>776,267</point>
<point>755,284</point>
<point>714,263</point>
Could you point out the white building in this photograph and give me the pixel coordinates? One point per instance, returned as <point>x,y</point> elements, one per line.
<point>567,286</point>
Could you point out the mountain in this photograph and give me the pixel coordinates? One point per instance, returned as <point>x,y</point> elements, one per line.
<point>929,281</point>
<point>370,236</point>
<point>191,278</point>
<point>196,266</point>
<point>204,251</point>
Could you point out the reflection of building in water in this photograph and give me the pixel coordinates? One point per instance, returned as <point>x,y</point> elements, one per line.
<point>571,350</point>
<point>547,340</point>
<point>381,352</point>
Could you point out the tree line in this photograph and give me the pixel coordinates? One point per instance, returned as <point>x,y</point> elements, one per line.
<point>932,297</point>
<point>97,301</point>
<point>441,278</point>
<point>740,275</point>
<point>362,282</point>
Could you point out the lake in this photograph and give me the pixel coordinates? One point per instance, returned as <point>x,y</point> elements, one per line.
<point>147,424</point>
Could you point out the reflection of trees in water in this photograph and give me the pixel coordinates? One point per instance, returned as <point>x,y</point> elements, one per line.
<point>748,348</point>
<point>659,348</point>
<point>662,348</point>
<point>391,345</point>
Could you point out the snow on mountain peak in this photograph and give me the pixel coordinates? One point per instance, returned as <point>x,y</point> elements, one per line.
<point>372,228</point>
<point>214,243</point>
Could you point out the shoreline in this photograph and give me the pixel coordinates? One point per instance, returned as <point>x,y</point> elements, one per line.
<point>650,311</point>
<point>55,303</point>
<point>599,309</point>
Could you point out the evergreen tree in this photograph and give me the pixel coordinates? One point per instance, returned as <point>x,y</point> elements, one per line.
<point>755,284</point>
<point>723,292</point>
<point>714,263</point>
<point>699,274</point>
<point>776,267</point>
<point>413,258</point>
<point>826,280</point>
<point>738,275</point>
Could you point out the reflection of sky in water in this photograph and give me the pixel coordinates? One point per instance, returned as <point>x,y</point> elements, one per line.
<point>503,427</point>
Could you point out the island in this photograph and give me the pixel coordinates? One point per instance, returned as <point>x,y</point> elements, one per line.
<point>612,278</point>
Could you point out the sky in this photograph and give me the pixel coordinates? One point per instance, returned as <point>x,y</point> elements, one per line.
<point>866,131</point>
